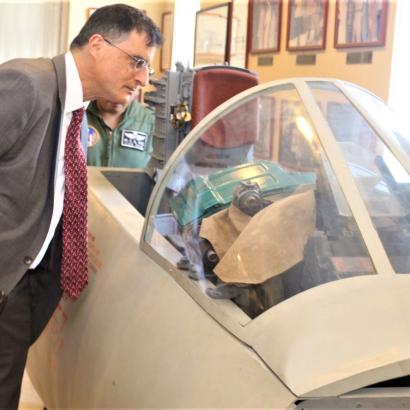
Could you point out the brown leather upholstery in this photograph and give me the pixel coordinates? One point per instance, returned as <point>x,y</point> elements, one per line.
<point>214,85</point>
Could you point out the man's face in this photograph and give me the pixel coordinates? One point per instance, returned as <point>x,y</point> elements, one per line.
<point>115,72</point>
<point>106,106</point>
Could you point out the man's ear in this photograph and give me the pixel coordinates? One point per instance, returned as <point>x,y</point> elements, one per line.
<point>96,45</point>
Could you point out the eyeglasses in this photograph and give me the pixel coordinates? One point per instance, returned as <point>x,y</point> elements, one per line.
<point>139,62</point>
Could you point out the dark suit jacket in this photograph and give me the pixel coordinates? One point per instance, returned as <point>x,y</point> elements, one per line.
<point>32,93</point>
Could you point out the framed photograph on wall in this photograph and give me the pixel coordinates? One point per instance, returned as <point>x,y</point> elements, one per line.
<point>264,25</point>
<point>307,22</point>
<point>212,35</point>
<point>167,32</point>
<point>360,23</point>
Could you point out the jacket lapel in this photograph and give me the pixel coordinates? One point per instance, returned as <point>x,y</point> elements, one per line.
<point>59,66</point>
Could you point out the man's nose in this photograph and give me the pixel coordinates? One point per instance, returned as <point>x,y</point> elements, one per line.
<point>142,76</point>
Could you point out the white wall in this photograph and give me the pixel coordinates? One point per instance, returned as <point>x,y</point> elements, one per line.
<point>400,74</point>
<point>32,28</point>
<point>184,32</point>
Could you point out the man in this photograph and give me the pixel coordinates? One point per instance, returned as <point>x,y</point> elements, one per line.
<point>43,187</point>
<point>119,135</point>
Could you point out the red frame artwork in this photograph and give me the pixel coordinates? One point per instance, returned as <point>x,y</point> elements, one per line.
<point>350,32</point>
<point>307,25</point>
<point>264,26</point>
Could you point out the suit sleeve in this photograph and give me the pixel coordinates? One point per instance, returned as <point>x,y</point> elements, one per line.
<point>17,101</point>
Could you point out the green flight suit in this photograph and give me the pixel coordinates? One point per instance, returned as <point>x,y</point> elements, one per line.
<point>128,145</point>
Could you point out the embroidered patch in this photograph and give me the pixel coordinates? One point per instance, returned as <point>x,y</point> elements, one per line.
<point>93,136</point>
<point>134,139</point>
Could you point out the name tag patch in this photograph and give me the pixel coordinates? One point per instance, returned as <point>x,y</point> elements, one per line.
<point>134,139</point>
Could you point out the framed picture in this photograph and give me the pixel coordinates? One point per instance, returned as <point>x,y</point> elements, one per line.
<point>361,23</point>
<point>211,35</point>
<point>264,25</point>
<point>307,21</point>
<point>295,151</point>
<point>89,11</point>
<point>263,147</point>
<point>238,37</point>
<point>167,27</point>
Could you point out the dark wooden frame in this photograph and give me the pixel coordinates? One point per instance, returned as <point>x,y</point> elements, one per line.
<point>378,43</point>
<point>228,30</point>
<point>307,47</point>
<point>167,46</point>
<point>251,24</point>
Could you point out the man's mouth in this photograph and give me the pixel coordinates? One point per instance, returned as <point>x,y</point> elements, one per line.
<point>130,89</point>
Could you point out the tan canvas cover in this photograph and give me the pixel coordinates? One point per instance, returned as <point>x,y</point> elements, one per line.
<point>223,228</point>
<point>252,250</point>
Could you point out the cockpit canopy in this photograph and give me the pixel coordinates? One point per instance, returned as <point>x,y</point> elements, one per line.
<point>283,188</point>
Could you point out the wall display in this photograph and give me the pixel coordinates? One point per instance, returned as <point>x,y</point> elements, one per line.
<point>211,35</point>
<point>239,27</point>
<point>361,23</point>
<point>264,25</point>
<point>307,21</point>
<point>166,49</point>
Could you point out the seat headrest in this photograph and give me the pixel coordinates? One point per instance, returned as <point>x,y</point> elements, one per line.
<point>211,87</point>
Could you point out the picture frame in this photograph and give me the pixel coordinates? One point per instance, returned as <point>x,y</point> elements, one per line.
<point>264,26</point>
<point>167,27</point>
<point>307,25</point>
<point>212,35</point>
<point>361,24</point>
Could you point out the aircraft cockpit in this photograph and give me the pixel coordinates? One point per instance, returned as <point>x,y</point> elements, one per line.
<point>310,200</point>
<point>267,266</point>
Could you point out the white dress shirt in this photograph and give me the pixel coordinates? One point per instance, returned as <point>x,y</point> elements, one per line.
<point>73,101</point>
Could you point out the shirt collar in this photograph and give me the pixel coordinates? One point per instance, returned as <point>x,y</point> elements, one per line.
<point>74,93</point>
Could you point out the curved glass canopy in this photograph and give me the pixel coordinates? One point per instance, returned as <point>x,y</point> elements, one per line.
<point>285,187</point>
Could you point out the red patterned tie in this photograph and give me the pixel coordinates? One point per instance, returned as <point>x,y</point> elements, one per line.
<point>74,264</point>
